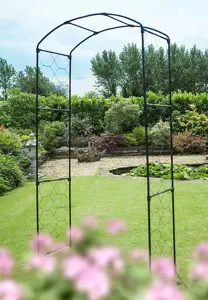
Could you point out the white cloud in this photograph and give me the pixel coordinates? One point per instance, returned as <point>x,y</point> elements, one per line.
<point>182,20</point>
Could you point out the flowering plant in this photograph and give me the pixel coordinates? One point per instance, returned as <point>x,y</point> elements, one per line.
<point>93,270</point>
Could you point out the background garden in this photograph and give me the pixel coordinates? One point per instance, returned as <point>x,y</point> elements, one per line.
<point>113,117</point>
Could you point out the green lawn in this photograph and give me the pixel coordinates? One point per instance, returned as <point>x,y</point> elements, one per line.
<point>107,198</point>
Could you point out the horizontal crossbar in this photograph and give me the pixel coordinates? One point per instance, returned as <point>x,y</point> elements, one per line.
<point>159,193</point>
<point>55,179</point>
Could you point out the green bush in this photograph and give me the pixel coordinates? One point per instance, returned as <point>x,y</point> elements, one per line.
<point>131,139</point>
<point>10,173</point>
<point>163,170</point>
<point>53,135</point>
<point>122,117</point>
<point>187,143</point>
<point>9,142</point>
<point>193,122</point>
<point>81,127</point>
<point>160,134</point>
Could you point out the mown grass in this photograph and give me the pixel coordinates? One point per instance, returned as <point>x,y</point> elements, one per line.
<point>109,198</point>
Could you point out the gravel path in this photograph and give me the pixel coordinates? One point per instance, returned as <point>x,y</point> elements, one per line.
<point>59,167</point>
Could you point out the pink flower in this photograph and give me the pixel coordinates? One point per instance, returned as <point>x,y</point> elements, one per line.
<point>41,242</point>
<point>201,252</point>
<point>118,265</point>
<point>89,222</point>
<point>74,265</point>
<point>44,263</point>
<point>94,282</point>
<point>6,262</point>
<point>76,234</point>
<point>161,291</point>
<point>115,226</point>
<point>200,272</point>
<point>164,269</point>
<point>104,255</point>
<point>139,255</point>
<point>10,290</point>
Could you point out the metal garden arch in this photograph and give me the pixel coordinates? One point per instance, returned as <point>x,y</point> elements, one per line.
<point>54,203</point>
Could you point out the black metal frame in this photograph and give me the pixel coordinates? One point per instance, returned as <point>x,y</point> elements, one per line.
<point>126,22</point>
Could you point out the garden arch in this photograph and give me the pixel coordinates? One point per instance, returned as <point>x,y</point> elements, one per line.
<point>54,203</point>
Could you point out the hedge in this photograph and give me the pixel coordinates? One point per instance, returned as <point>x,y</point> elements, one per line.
<point>19,110</point>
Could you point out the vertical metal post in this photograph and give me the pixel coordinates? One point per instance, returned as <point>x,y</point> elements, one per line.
<point>171,149</point>
<point>36,128</point>
<point>147,147</point>
<point>69,116</point>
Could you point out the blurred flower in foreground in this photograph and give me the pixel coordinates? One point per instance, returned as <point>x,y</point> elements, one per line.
<point>41,243</point>
<point>162,291</point>
<point>90,222</point>
<point>76,234</point>
<point>10,290</point>
<point>95,282</point>
<point>41,262</point>
<point>74,265</point>
<point>115,226</point>
<point>164,269</point>
<point>201,252</point>
<point>6,262</point>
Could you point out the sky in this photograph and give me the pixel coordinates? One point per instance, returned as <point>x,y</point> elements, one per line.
<point>24,22</point>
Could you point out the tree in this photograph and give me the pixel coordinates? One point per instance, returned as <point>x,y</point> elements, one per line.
<point>26,81</point>
<point>7,73</point>
<point>131,73</point>
<point>105,68</point>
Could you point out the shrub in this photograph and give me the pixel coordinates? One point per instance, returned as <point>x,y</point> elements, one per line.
<point>122,117</point>
<point>79,142</point>
<point>187,143</point>
<point>81,127</point>
<point>9,142</point>
<point>109,142</point>
<point>160,134</point>
<point>10,173</point>
<point>131,139</point>
<point>53,135</point>
<point>193,122</point>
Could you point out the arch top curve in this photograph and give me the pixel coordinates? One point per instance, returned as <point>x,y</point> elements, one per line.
<point>109,15</point>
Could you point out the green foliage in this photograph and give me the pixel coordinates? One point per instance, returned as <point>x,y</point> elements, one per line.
<point>163,170</point>
<point>193,122</point>
<point>187,143</point>
<point>53,135</point>
<point>7,73</point>
<point>131,139</point>
<point>26,82</point>
<point>122,117</point>
<point>9,142</point>
<point>160,134</point>
<point>131,76</point>
<point>10,173</point>
<point>140,135</point>
<point>105,68</point>
<point>81,127</point>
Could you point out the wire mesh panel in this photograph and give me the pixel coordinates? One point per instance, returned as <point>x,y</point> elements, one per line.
<point>159,156</point>
<point>53,192</point>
